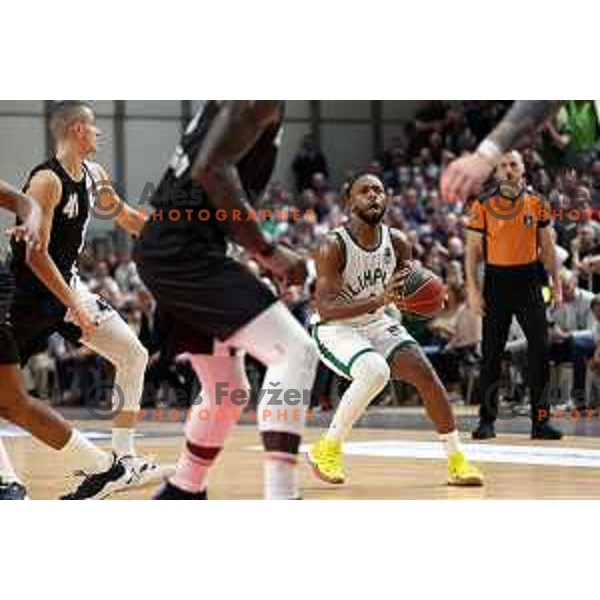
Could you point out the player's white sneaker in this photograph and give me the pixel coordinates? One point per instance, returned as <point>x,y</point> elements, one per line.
<point>98,486</point>
<point>145,471</point>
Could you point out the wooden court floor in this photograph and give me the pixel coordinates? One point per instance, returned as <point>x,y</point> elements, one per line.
<point>238,474</point>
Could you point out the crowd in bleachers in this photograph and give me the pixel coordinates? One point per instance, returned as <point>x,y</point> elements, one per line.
<point>563,164</point>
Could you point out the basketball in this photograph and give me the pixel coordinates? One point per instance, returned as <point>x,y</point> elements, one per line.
<point>423,294</point>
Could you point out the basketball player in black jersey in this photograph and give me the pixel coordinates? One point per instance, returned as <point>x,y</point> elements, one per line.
<point>213,306</point>
<point>66,187</point>
<point>16,406</point>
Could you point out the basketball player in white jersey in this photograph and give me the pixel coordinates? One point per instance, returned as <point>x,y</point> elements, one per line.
<point>67,188</point>
<point>359,270</point>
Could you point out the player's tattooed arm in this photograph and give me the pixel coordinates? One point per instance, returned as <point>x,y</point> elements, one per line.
<point>110,205</point>
<point>524,117</point>
<point>465,176</point>
<point>46,189</point>
<point>234,131</point>
<point>330,298</point>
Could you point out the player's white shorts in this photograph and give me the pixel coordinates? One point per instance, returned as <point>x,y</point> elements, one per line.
<point>341,344</point>
<point>96,306</point>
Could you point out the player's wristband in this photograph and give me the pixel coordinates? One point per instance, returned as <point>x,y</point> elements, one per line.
<point>490,151</point>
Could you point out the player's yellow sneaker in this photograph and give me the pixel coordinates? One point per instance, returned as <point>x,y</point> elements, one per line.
<point>325,458</point>
<point>461,472</point>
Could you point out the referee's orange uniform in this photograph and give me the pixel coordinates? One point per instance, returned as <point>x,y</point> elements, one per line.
<point>514,277</point>
<point>510,228</point>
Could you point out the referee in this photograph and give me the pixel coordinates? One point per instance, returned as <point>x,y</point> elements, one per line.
<point>509,231</point>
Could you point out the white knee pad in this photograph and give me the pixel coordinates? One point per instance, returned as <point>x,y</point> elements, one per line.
<point>277,340</point>
<point>283,407</point>
<point>134,358</point>
<point>130,373</point>
<point>372,370</point>
<point>370,374</point>
<point>115,341</point>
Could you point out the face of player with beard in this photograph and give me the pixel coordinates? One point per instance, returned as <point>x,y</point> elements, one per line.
<point>368,201</point>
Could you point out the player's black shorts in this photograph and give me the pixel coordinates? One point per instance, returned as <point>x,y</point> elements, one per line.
<point>35,317</point>
<point>8,348</point>
<point>202,294</point>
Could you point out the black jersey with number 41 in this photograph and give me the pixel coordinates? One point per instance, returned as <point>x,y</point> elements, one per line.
<point>69,224</point>
<point>178,191</point>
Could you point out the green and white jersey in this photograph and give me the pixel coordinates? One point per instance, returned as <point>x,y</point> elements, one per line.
<point>365,271</point>
<point>364,275</point>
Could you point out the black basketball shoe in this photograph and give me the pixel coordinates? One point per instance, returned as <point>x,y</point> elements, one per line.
<point>101,485</point>
<point>170,492</point>
<point>12,490</point>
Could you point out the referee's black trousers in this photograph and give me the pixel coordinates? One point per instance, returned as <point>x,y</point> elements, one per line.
<point>508,292</point>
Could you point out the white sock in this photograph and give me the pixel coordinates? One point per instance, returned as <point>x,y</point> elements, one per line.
<point>281,479</point>
<point>451,442</point>
<point>7,472</point>
<point>370,375</point>
<point>122,441</point>
<point>86,455</point>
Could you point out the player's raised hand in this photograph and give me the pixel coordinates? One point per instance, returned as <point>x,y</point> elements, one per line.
<point>286,264</point>
<point>29,230</point>
<point>465,177</point>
